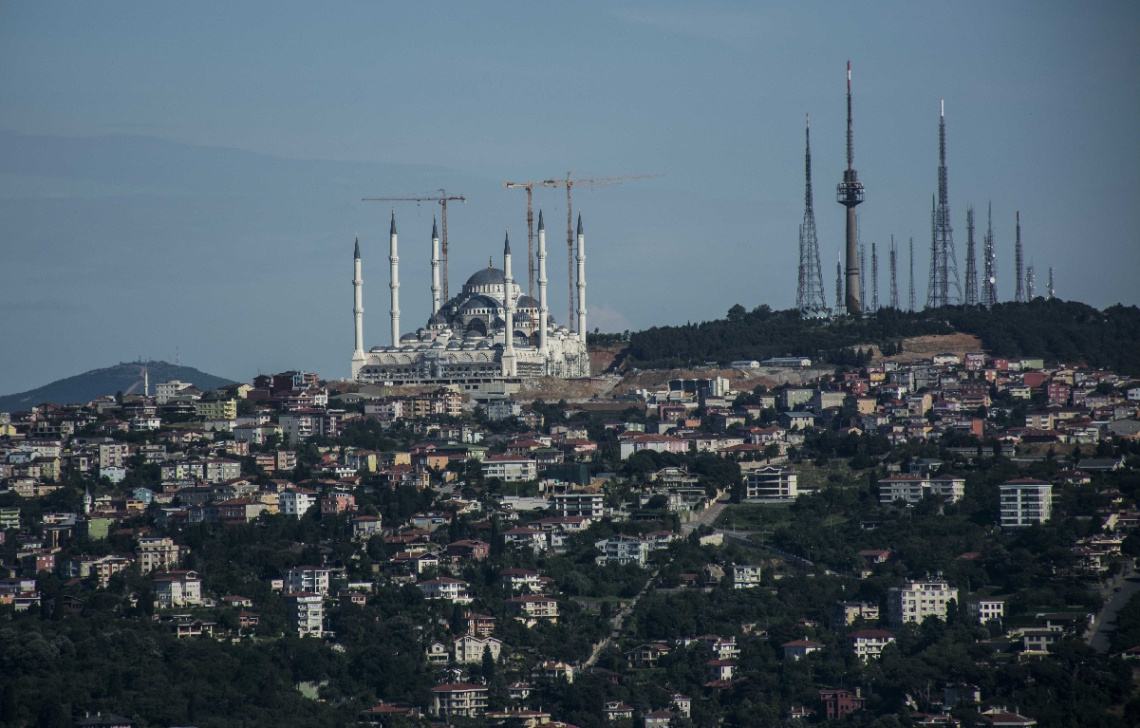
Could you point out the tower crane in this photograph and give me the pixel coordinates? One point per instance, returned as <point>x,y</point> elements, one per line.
<point>442,198</point>
<point>569,184</point>
<point>529,187</point>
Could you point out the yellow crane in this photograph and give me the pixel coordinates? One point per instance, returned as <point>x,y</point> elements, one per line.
<point>442,198</point>
<point>529,187</point>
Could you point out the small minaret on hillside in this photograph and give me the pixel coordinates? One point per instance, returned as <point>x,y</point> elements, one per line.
<point>435,287</point>
<point>394,284</point>
<point>510,367</point>
<point>357,308</point>
<point>543,312</point>
<point>581,281</point>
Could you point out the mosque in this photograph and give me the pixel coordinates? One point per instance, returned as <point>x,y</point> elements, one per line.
<point>485,340</point>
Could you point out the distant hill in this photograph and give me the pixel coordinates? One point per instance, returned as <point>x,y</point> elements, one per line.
<point>126,378</point>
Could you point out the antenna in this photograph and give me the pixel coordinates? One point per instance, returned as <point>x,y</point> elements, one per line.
<point>894,275</point>
<point>874,278</point>
<point>849,193</point>
<point>971,266</point>
<point>989,282</point>
<point>910,297</point>
<point>1020,295</point>
<point>810,298</point>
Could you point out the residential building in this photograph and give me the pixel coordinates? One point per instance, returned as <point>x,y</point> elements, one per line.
<point>219,409</point>
<point>296,502</point>
<point>308,579</point>
<point>913,488</point>
<point>530,608</point>
<point>306,613</point>
<point>622,550</point>
<point>1025,502</point>
<point>177,589</point>
<point>453,590</point>
<point>771,483</point>
<point>797,649</point>
<point>847,613</point>
<point>869,643</point>
<point>745,576</point>
<point>157,554</point>
<point>463,700</point>
<point>509,468</point>
<point>838,703</point>
<point>580,503</point>
<point>917,600</point>
<point>985,609</point>
<point>469,648</point>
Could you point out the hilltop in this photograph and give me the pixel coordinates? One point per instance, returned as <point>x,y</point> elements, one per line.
<point>125,377</point>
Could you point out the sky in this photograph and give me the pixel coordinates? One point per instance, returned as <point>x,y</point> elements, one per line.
<point>185,180</point>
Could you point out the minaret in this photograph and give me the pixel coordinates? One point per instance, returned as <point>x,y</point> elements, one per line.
<point>510,367</point>
<point>435,289</point>
<point>849,193</point>
<point>394,259</point>
<point>87,500</point>
<point>357,309</point>
<point>543,313</point>
<point>581,281</point>
<point>146,381</point>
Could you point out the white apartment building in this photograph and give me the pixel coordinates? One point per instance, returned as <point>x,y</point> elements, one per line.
<point>622,550</point>
<point>509,469</point>
<point>113,454</point>
<point>459,699</point>
<point>913,488</point>
<point>307,579</point>
<point>453,590</point>
<point>983,610</point>
<point>771,483</point>
<point>869,643</point>
<point>1024,502</point>
<point>157,554</point>
<point>578,503</point>
<point>306,613</point>
<point>745,576</point>
<point>296,502</point>
<point>177,589</point>
<point>530,608</point>
<point>469,648</point>
<point>917,600</point>
<point>166,391</point>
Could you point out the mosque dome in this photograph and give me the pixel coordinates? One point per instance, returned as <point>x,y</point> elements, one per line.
<point>525,301</point>
<point>486,277</point>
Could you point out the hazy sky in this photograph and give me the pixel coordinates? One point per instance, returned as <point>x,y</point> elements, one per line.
<point>187,177</point>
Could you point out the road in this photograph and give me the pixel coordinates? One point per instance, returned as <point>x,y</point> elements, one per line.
<point>1103,625</point>
<point>708,518</point>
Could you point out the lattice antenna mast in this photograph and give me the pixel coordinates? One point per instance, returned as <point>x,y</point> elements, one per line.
<point>932,281</point>
<point>894,275</point>
<point>1050,291</point>
<point>1030,283</point>
<point>989,284</point>
<point>874,278</point>
<point>910,305</point>
<point>810,298</point>
<point>862,278</point>
<point>1020,295</point>
<point>971,266</point>
<point>944,234</point>
<point>849,193</point>
<point>838,284</point>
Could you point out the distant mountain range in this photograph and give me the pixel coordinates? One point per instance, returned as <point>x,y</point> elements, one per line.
<point>126,377</point>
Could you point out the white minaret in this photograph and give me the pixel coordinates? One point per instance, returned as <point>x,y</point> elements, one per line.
<point>543,313</point>
<point>357,309</point>
<point>510,368</point>
<point>581,281</point>
<point>87,500</point>
<point>435,288</point>
<point>146,381</point>
<point>394,259</point>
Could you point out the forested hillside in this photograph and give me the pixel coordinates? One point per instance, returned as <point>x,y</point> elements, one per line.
<point>1065,331</point>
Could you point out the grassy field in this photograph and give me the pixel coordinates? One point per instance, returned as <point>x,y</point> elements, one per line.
<point>753,516</point>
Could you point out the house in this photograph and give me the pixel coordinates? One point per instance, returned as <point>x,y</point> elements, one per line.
<point>471,549</point>
<point>647,655</point>
<point>177,589</point>
<point>847,613</point>
<point>469,648</point>
<point>530,608</point>
<point>720,670</point>
<point>838,703</point>
<point>797,649</point>
<point>438,654</point>
<point>520,580</point>
<point>659,719</point>
<point>364,527</point>
<point>622,550</point>
<point>453,590</point>
<point>463,700</point>
<point>616,710</point>
<point>552,670</point>
<point>1000,717</point>
<point>869,643</point>
<point>157,554</point>
<point>479,624</point>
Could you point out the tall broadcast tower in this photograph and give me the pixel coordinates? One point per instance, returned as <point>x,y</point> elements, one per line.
<point>944,260</point>
<point>849,193</point>
<point>989,284</point>
<point>971,266</point>
<point>910,293</point>
<point>838,285</point>
<point>874,278</point>
<point>810,298</point>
